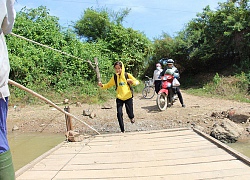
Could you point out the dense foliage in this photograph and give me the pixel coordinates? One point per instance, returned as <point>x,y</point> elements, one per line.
<point>214,41</point>
<point>43,69</point>
<point>124,44</point>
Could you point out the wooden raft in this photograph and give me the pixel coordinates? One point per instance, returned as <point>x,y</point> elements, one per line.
<point>164,154</point>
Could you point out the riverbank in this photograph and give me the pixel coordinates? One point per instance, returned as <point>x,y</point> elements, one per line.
<point>42,120</point>
<point>199,112</point>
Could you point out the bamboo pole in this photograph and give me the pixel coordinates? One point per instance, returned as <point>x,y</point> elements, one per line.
<point>68,119</point>
<point>49,102</point>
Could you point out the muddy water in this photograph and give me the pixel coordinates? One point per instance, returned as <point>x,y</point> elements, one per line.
<point>241,146</point>
<point>26,147</point>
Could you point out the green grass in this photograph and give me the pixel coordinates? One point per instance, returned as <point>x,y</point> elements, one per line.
<point>231,88</point>
<point>89,93</point>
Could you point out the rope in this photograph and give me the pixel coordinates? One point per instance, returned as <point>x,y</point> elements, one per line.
<point>95,68</point>
<point>38,95</point>
<point>49,102</point>
<point>62,52</point>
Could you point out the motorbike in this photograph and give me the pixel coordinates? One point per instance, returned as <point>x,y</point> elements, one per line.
<point>164,97</point>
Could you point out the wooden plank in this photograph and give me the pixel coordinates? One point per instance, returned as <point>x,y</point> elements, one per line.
<point>205,170</point>
<point>147,147</point>
<point>143,135</point>
<point>164,153</point>
<point>228,149</point>
<point>125,159</point>
<point>220,174</point>
<point>164,139</point>
<point>146,155</point>
<point>148,163</point>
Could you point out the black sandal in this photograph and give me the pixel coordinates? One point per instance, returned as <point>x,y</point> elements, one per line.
<point>132,120</point>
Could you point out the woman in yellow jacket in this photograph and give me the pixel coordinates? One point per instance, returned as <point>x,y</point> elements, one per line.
<point>124,93</point>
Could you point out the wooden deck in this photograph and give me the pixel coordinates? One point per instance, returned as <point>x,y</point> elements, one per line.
<point>165,154</point>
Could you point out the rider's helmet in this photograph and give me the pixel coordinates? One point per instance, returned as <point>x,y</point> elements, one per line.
<point>169,71</point>
<point>170,61</point>
<point>163,61</point>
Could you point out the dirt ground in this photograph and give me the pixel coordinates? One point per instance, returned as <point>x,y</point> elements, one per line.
<point>201,112</point>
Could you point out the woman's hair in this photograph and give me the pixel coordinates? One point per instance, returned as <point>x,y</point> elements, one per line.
<point>118,63</point>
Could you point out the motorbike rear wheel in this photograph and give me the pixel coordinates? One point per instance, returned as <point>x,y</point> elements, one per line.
<point>162,101</point>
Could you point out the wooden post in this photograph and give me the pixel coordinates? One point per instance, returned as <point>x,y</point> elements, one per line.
<point>49,102</point>
<point>68,119</point>
<point>95,68</point>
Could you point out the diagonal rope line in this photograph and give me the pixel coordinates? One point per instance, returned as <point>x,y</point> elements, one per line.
<point>38,95</point>
<point>95,68</point>
<point>49,102</point>
<point>46,46</point>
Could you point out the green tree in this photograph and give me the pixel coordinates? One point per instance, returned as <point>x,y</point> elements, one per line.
<point>93,25</point>
<point>125,44</point>
<point>96,24</point>
<point>42,68</point>
<point>216,39</point>
<point>163,47</point>
<point>129,46</point>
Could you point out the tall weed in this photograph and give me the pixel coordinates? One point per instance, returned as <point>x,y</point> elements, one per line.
<point>232,87</point>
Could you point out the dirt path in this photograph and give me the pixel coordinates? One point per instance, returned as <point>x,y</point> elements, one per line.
<point>197,113</point>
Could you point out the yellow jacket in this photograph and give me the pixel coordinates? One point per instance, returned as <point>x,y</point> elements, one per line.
<point>123,90</point>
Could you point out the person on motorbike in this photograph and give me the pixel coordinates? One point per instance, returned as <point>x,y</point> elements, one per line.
<point>156,79</point>
<point>171,69</point>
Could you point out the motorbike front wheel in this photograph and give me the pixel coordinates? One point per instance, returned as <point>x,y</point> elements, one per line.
<point>162,101</point>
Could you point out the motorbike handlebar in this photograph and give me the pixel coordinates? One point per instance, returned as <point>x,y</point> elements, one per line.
<point>166,77</point>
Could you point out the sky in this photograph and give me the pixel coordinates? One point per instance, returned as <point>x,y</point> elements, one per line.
<point>152,17</point>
